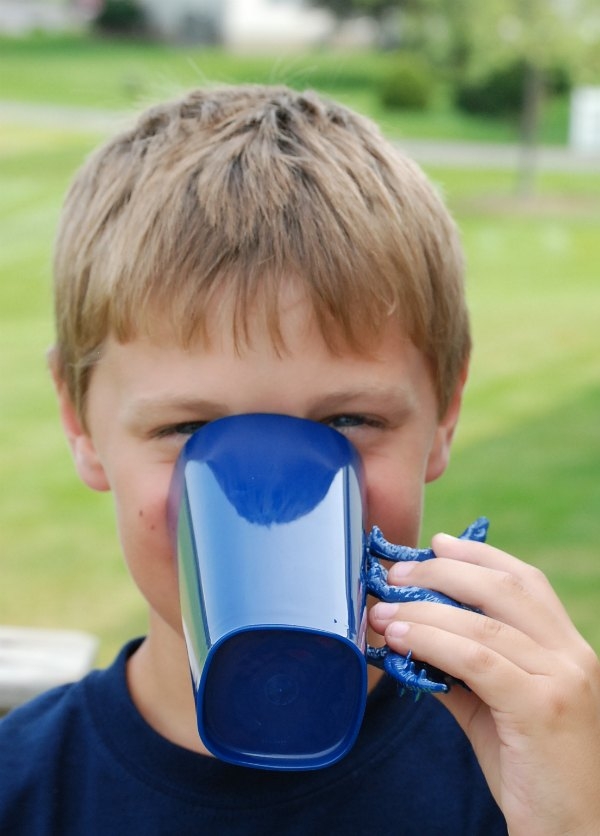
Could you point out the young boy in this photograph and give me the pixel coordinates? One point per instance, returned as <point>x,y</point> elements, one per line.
<point>253,249</point>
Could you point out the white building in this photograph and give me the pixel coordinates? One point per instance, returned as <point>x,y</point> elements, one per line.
<point>240,24</point>
<point>235,24</point>
<point>19,17</point>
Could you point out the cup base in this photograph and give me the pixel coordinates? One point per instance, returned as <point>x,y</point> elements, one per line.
<point>282,698</point>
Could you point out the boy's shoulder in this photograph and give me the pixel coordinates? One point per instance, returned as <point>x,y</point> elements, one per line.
<point>38,721</point>
<point>32,741</point>
<point>37,726</point>
<point>45,746</point>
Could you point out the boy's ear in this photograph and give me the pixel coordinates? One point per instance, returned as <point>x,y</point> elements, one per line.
<point>439,455</point>
<point>87,462</point>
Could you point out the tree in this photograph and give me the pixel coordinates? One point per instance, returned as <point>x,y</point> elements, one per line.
<point>539,34</point>
<point>472,38</point>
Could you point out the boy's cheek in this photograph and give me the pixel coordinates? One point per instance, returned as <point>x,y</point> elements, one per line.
<point>150,558</point>
<point>396,508</point>
<point>142,518</point>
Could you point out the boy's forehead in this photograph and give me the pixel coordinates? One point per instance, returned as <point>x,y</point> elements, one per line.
<point>300,335</point>
<point>152,376</point>
<point>158,397</point>
<point>273,319</point>
<point>300,370</point>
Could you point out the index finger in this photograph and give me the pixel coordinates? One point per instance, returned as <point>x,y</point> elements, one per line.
<point>484,554</point>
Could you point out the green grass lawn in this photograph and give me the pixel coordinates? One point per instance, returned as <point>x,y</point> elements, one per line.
<point>528,452</point>
<point>88,72</point>
<point>527,455</point>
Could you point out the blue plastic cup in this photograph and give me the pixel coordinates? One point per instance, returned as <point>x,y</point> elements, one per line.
<point>267,515</point>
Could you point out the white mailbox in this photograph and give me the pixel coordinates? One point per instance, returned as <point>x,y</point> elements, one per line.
<point>584,132</point>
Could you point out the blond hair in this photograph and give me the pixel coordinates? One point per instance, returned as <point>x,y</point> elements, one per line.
<point>225,193</point>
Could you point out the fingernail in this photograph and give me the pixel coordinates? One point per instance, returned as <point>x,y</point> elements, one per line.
<point>442,535</point>
<point>397,629</point>
<point>399,571</point>
<point>384,611</point>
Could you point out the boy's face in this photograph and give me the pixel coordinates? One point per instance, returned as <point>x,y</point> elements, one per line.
<point>145,399</point>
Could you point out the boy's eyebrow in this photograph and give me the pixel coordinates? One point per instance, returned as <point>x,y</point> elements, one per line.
<point>395,396</point>
<point>146,410</point>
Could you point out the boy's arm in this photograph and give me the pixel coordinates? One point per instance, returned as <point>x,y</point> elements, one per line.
<point>533,711</point>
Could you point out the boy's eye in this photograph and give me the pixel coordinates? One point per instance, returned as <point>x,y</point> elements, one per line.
<point>348,422</point>
<point>340,422</point>
<point>184,428</point>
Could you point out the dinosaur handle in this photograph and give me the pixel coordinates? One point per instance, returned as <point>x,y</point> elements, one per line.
<point>415,677</point>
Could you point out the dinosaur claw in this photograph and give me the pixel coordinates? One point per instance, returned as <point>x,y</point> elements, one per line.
<point>404,670</point>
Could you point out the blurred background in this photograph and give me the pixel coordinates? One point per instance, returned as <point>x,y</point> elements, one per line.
<point>500,103</point>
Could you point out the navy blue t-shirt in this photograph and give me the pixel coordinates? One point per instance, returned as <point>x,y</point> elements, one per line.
<point>81,761</point>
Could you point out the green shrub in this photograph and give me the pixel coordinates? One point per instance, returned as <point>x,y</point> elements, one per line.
<point>500,92</point>
<point>121,17</point>
<point>407,86</point>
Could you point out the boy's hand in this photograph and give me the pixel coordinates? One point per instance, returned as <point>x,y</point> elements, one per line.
<point>533,712</point>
